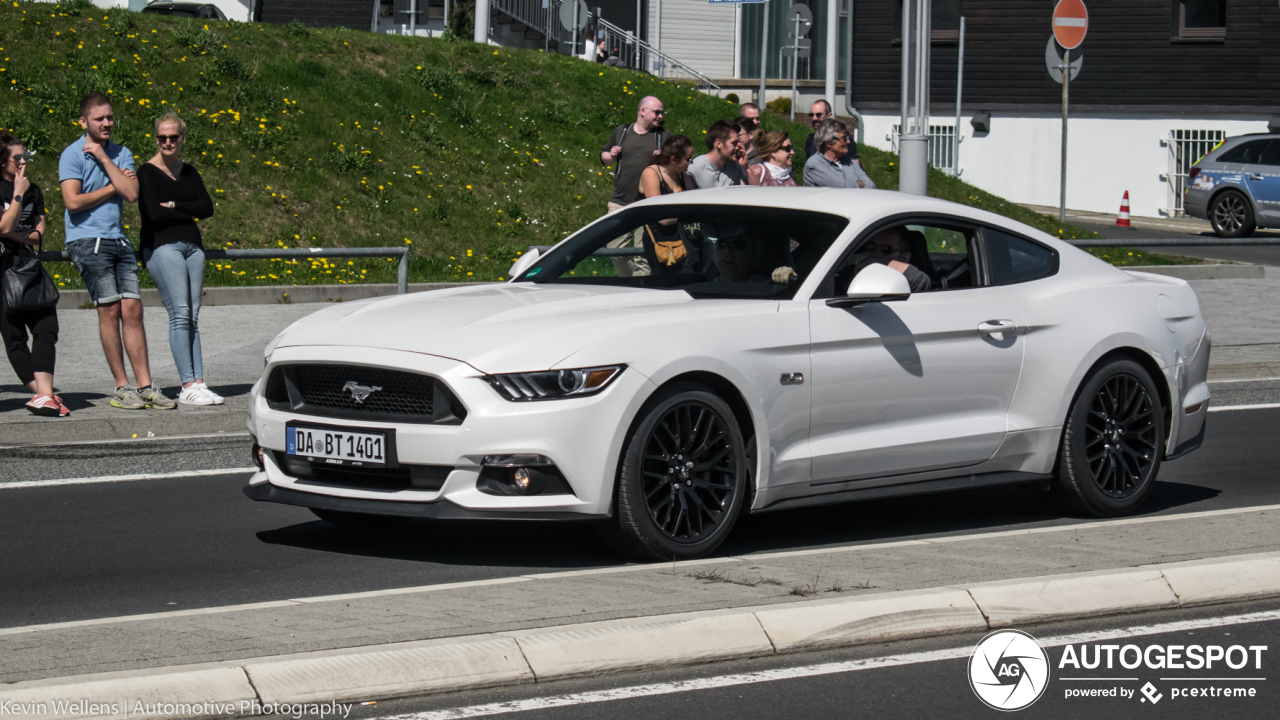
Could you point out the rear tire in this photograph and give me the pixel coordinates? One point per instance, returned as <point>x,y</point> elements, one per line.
<point>1112,442</point>
<point>682,479</point>
<point>1231,215</point>
<point>360,521</point>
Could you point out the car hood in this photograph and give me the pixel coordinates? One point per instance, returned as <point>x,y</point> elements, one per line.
<point>493,328</point>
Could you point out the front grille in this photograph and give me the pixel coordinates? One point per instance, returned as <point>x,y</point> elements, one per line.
<point>362,392</point>
<point>404,477</point>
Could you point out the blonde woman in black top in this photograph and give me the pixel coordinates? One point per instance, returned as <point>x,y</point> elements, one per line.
<point>171,198</point>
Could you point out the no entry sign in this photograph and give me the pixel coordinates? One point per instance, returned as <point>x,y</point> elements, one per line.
<point>1070,22</point>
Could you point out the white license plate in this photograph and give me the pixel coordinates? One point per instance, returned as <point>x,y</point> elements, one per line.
<point>337,446</point>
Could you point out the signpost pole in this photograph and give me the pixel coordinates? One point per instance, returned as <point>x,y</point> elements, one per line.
<point>764,52</point>
<point>1066,82</point>
<point>795,64</point>
<point>955,139</point>
<point>573,36</point>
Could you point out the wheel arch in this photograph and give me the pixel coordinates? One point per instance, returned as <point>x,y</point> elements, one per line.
<point>1217,193</point>
<point>1153,369</point>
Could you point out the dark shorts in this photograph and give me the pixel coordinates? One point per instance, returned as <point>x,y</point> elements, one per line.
<point>108,267</point>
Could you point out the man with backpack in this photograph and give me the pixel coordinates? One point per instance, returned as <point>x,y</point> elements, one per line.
<point>631,148</point>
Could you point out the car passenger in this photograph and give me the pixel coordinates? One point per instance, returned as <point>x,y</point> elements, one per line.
<point>745,257</point>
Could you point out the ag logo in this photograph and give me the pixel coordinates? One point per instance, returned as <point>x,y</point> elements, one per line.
<point>1008,670</point>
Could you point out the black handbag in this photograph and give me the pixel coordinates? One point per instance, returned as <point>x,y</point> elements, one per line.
<point>25,284</point>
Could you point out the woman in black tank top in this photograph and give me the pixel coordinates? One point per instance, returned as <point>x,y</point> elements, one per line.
<point>666,244</point>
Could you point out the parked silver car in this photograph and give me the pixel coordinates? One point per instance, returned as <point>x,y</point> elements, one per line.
<point>1236,186</point>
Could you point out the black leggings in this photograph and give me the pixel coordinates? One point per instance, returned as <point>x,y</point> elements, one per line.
<point>44,339</point>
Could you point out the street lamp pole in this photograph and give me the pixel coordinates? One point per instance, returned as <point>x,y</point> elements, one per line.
<point>913,138</point>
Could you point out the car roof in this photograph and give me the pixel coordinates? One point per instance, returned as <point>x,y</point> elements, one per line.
<point>859,206</point>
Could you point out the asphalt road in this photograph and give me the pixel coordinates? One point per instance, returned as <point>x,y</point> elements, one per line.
<point>108,549</point>
<point>1257,255</point>
<point>902,680</point>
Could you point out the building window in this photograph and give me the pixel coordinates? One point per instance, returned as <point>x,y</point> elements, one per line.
<point>944,21</point>
<point>1202,19</point>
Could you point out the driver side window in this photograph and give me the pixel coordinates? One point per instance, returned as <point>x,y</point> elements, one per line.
<point>939,255</point>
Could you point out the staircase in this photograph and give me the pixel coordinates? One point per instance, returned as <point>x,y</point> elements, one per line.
<point>536,24</point>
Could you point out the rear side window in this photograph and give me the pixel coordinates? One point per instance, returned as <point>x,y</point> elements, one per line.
<point>1247,153</point>
<point>1271,155</point>
<point>1014,260</point>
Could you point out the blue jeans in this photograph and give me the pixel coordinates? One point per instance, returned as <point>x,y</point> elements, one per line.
<point>178,271</point>
<point>108,266</point>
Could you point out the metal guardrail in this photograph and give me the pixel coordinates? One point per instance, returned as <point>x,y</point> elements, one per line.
<point>540,16</point>
<point>402,271</point>
<point>640,55</point>
<point>1174,242</point>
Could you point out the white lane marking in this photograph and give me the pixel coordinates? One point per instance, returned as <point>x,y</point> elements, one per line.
<point>1240,380</point>
<point>638,567</point>
<point>126,440</point>
<point>122,478</point>
<point>1260,406</point>
<point>711,683</point>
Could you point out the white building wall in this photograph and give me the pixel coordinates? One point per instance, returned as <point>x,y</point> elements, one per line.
<point>695,32</point>
<point>1020,158</point>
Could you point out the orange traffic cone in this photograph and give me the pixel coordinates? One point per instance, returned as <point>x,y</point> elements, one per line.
<point>1122,220</point>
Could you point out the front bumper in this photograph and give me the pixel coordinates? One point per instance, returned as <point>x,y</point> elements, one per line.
<point>581,436</point>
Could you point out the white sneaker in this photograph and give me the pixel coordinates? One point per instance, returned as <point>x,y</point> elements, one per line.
<point>217,399</point>
<point>193,395</point>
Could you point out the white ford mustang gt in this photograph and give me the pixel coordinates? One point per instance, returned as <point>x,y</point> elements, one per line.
<point>700,355</point>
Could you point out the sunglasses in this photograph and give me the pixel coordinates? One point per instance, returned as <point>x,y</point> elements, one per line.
<point>658,112</point>
<point>168,138</point>
<point>817,115</point>
<point>23,158</point>
<point>885,248</point>
<point>788,148</point>
<point>735,244</point>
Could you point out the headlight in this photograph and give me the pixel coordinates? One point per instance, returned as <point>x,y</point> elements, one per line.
<point>553,384</point>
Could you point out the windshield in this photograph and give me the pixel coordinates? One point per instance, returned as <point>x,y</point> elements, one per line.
<point>704,250</point>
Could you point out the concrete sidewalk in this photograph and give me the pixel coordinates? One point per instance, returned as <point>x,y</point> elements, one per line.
<point>1241,314</point>
<point>611,619</point>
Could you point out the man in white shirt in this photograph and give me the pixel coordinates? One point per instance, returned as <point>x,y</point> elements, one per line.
<point>719,167</point>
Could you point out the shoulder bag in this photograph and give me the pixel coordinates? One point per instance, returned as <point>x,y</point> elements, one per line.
<point>25,284</point>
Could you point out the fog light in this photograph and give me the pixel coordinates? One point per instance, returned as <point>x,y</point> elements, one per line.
<point>520,479</point>
<point>256,452</point>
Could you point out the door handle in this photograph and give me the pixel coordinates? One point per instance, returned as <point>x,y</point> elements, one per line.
<point>1256,177</point>
<point>997,328</point>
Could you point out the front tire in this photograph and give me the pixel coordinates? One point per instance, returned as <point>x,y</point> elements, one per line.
<point>682,479</point>
<point>1231,215</point>
<point>1112,443</point>
<point>359,521</point>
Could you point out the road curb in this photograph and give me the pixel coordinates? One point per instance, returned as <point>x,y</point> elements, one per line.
<point>138,424</point>
<point>546,654</point>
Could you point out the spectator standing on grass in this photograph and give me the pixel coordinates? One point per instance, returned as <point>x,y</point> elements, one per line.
<point>746,140</point>
<point>631,148</point>
<point>831,167</point>
<point>22,216</point>
<point>719,167</point>
<point>777,153</point>
<point>173,198</point>
<point>751,112</point>
<point>97,178</point>
<point>667,246</point>
<point>818,112</point>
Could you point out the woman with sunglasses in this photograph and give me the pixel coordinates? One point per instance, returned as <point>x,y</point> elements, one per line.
<point>776,149</point>
<point>22,223</point>
<point>171,198</point>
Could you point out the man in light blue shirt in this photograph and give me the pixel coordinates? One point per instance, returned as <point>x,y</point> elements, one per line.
<point>831,166</point>
<point>97,178</point>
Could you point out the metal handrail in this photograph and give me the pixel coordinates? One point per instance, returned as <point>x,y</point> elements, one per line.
<point>402,271</point>
<point>532,14</point>
<point>640,55</point>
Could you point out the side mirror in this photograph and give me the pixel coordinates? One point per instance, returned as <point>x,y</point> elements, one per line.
<point>524,263</point>
<point>875,283</point>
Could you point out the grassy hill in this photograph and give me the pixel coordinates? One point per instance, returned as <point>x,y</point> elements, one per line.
<point>306,138</point>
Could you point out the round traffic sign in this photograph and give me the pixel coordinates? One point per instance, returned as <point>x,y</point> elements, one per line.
<point>1070,22</point>
<point>803,14</point>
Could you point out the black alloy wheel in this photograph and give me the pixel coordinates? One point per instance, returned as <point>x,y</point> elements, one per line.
<point>683,477</point>
<point>1113,441</point>
<point>1120,436</point>
<point>1231,215</point>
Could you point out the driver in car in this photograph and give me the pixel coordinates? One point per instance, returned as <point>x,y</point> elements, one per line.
<point>744,257</point>
<point>889,247</point>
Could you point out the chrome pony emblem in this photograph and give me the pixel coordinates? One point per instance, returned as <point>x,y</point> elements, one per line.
<point>359,393</point>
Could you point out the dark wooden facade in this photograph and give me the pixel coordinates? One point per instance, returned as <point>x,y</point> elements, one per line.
<point>354,14</point>
<point>1134,60</point>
